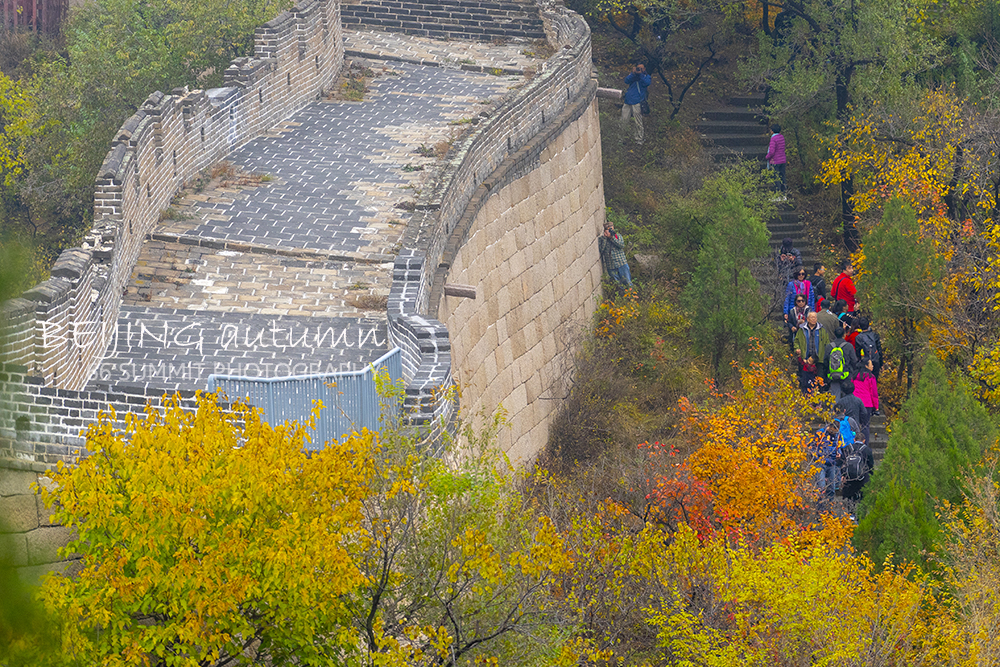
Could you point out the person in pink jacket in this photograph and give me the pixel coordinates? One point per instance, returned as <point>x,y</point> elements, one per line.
<point>866,388</point>
<point>776,155</point>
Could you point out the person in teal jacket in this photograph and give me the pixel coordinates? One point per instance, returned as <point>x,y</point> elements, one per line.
<point>638,81</point>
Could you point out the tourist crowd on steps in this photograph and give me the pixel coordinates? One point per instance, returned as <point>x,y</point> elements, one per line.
<point>835,350</point>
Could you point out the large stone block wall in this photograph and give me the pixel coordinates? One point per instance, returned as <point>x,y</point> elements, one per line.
<point>506,143</point>
<point>59,329</point>
<point>531,252</point>
<point>29,539</point>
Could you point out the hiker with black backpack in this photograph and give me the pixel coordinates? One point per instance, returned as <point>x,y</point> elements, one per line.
<point>841,434</point>
<point>825,452</point>
<point>868,345</point>
<point>841,360</point>
<point>859,462</point>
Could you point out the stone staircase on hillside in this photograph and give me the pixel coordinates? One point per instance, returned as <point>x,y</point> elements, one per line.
<point>787,224</point>
<point>879,438</point>
<point>739,131</point>
<point>447,19</point>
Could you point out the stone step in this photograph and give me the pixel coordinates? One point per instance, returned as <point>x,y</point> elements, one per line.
<point>362,13</point>
<point>795,236</point>
<point>755,101</point>
<point>712,128</point>
<point>481,32</point>
<point>437,7</point>
<point>733,114</point>
<point>778,226</point>
<point>736,140</point>
<point>728,154</point>
<point>786,213</point>
<point>784,229</point>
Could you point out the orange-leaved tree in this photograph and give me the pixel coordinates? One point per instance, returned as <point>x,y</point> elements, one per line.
<point>751,449</point>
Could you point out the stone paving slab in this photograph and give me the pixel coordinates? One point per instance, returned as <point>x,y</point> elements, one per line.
<point>277,276</point>
<point>335,174</point>
<point>520,54</point>
<point>173,349</point>
<point>338,167</point>
<point>177,275</point>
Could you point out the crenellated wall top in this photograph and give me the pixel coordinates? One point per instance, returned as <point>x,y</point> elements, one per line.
<point>166,142</point>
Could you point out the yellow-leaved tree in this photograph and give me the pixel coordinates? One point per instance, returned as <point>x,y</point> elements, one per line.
<point>205,535</point>
<point>969,633</point>
<point>14,106</point>
<point>937,154</point>
<point>460,563</point>
<point>211,538</point>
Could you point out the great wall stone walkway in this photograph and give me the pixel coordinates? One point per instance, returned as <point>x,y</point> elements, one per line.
<point>310,249</point>
<point>514,54</point>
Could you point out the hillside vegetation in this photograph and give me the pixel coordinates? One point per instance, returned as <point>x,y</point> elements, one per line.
<point>675,518</point>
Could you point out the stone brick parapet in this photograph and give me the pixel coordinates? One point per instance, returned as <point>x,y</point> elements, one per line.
<point>503,147</point>
<point>60,329</point>
<point>42,425</point>
<point>563,82</point>
<point>425,345</point>
<point>448,19</point>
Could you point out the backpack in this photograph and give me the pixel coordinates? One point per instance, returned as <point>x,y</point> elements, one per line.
<point>855,466</point>
<point>846,432</point>
<point>838,371</point>
<point>865,342</point>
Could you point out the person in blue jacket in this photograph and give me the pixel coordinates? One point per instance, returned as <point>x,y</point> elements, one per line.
<point>637,82</point>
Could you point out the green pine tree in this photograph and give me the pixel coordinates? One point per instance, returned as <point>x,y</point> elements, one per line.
<point>942,429</point>
<point>724,299</point>
<point>902,278</point>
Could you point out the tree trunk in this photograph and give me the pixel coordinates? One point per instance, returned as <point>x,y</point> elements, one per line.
<point>908,334</point>
<point>852,238</point>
